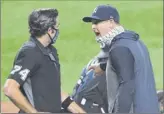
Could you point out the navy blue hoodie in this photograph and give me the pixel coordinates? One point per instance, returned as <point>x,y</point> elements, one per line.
<point>133,87</point>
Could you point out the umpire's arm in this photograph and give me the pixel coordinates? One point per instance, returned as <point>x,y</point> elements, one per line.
<point>123,62</point>
<point>23,66</point>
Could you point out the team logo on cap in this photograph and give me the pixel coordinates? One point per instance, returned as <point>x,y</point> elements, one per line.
<point>95,10</point>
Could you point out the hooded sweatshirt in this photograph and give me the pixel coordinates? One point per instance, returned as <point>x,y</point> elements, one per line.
<point>130,77</point>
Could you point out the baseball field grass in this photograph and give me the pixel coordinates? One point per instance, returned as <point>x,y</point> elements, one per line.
<point>76,44</point>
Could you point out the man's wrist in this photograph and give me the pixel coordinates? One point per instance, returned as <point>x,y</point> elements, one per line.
<point>67,102</point>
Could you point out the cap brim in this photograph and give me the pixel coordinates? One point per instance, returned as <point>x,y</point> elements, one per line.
<point>89,19</point>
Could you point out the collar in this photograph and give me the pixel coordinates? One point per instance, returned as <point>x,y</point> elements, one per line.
<point>114,32</point>
<point>41,47</point>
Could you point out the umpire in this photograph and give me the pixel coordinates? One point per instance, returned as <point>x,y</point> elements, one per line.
<point>34,81</point>
<point>132,89</point>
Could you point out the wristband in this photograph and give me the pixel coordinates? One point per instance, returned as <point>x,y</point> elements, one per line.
<point>67,102</point>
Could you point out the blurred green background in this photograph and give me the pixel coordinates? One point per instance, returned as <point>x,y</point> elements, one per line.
<point>76,44</point>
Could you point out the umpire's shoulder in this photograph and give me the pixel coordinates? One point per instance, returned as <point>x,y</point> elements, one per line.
<point>28,47</point>
<point>54,49</point>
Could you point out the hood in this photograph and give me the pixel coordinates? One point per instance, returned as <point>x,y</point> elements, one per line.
<point>131,35</point>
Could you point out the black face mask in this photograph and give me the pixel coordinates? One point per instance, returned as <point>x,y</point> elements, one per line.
<point>53,39</point>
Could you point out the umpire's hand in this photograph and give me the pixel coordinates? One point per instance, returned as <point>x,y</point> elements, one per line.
<point>96,68</point>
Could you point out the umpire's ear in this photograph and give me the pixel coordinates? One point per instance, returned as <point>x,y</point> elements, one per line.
<point>50,30</point>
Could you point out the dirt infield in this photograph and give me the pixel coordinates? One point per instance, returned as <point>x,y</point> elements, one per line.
<point>8,107</point>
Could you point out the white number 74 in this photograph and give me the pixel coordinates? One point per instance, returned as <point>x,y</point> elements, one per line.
<point>23,72</point>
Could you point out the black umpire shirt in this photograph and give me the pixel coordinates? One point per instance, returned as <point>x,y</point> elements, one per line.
<point>36,68</point>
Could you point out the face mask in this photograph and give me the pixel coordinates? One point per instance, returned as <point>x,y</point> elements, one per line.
<point>53,39</point>
<point>106,39</point>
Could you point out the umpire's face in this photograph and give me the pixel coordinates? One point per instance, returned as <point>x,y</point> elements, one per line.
<point>101,28</point>
<point>52,31</point>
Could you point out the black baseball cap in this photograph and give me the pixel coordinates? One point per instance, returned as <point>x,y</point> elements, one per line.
<point>103,12</point>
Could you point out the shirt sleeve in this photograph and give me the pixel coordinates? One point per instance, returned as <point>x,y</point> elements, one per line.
<point>123,62</point>
<point>24,64</point>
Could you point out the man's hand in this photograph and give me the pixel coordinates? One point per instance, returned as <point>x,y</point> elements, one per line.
<point>12,90</point>
<point>73,107</point>
<point>96,68</point>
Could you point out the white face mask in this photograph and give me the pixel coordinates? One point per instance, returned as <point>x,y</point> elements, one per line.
<point>106,39</point>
